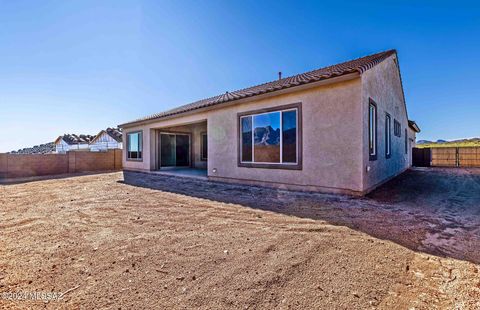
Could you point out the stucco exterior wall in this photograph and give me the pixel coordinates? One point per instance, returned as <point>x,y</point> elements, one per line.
<point>331,141</point>
<point>149,133</point>
<point>412,138</point>
<point>382,84</point>
<point>332,116</point>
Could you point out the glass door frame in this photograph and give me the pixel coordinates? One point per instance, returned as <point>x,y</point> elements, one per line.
<point>159,145</point>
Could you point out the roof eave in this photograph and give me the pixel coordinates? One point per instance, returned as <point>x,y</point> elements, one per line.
<point>413,125</point>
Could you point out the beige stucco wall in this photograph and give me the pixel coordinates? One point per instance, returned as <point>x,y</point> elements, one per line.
<point>331,140</point>
<point>335,135</point>
<point>150,131</point>
<point>382,84</point>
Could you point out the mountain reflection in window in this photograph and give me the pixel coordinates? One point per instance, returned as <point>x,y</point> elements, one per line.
<point>289,136</point>
<point>246,139</point>
<point>267,138</point>
<point>270,138</point>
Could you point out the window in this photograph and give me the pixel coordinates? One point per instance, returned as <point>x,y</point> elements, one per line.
<point>372,130</point>
<point>270,138</point>
<point>204,146</point>
<point>406,141</point>
<point>397,128</point>
<point>388,136</point>
<point>134,145</point>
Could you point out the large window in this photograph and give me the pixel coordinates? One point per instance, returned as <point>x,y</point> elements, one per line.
<point>270,138</point>
<point>388,136</point>
<point>134,145</point>
<point>372,130</point>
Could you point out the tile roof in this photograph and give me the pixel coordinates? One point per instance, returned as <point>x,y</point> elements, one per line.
<point>76,139</point>
<point>359,65</point>
<point>115,133</point>
<point>46,148</point>
<point>414,126</point>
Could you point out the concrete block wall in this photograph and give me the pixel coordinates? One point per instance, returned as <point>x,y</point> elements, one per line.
<point>23,165</point>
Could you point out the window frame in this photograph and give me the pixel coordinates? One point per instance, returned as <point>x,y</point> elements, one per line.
<point>406,141</point>
<point>202,157</point>
<point>397,130</point>
<point>140,141</point>
<point>372,156</point>
<point>287,166</point>
<point>388,136</point>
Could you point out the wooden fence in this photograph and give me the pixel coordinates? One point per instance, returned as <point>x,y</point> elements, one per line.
<point>445,157</point>
<point>452,156</point>
<point>26,165</point>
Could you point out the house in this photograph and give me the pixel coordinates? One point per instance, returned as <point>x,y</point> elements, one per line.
<point>46,148</point>
<point>72,142</point>
<point>110,138</point>
<point>338,129</point>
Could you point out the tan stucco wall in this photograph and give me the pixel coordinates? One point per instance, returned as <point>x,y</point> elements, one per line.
<point>335,135</point>
<point>331,139</point>
<point>150,137</point>
<point>382,84</point>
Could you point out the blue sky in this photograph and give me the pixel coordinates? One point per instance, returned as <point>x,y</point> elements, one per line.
<point>81,66</point>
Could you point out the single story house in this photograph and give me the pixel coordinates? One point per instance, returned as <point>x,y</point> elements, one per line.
<point>338,129</point>
<point>110,138</point>
<point>72,142</point>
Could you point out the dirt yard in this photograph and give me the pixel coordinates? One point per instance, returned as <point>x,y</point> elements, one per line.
<point>144,242</point>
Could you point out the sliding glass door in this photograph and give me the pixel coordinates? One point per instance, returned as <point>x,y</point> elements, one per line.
<point>167,150</point>
<point>174,150</point>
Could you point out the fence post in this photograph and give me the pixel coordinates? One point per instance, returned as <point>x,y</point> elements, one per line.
<point>457,156</point>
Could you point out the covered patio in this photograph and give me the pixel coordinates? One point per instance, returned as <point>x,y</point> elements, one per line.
<point>186,172</point>
<point>182,150</point>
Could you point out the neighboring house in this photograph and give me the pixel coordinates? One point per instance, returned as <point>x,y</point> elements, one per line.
<point>46,148</point>
<point>72,142</point>
<point>110,138</point>
<point>342,129</point>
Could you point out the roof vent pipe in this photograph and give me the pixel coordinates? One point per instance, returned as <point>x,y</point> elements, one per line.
<point>280,75</point>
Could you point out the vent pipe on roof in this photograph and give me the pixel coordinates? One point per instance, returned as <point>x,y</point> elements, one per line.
<point>280,75</point>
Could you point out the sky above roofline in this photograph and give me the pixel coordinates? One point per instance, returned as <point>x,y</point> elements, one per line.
<point>81,67</point>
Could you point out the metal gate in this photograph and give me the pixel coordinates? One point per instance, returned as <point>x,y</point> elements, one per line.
<point>421,157</point>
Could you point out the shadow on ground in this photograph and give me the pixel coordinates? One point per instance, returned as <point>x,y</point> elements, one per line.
<point>434,210</point>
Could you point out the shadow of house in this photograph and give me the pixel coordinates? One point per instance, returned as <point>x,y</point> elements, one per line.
<point>389,213</point>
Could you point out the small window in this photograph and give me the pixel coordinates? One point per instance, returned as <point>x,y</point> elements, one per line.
<point>406,141</point>
<point>397,129</point>
<point>134,145</point>
<point>388,136</point>
<point>270,138</point>
<point>372,130</point>
<point>204,146</point>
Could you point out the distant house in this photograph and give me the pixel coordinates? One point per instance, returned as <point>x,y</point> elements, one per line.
<point>46,148</point>
<point>110,138</point>
<point>72,142</point>
<point>343,129</point>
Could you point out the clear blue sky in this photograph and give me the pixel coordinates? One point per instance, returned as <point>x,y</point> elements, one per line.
<point>80,66</point>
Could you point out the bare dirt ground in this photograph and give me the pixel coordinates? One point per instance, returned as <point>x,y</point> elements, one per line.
<point>161,242</point>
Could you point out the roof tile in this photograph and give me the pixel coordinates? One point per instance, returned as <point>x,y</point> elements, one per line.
<point>359,65</point>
